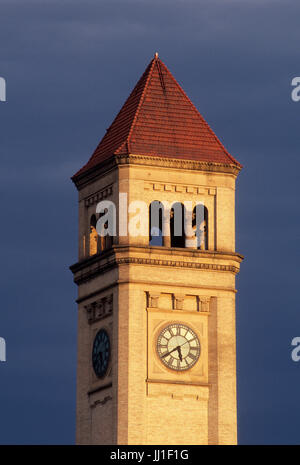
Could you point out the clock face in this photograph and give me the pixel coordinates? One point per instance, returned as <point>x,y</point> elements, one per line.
<point>101,353</point>
<point>178,347</point>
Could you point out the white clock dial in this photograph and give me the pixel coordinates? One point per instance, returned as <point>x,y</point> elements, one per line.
<point>178,347</point>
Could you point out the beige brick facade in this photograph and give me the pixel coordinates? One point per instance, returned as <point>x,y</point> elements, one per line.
<point>134,290</point>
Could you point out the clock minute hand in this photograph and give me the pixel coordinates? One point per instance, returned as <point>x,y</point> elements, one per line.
<point>169,353</point>
<point>187,342</point>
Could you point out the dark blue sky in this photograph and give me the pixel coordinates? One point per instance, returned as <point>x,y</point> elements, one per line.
<point>69,66</point>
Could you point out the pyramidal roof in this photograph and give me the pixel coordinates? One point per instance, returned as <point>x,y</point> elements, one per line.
<point>158,119</point>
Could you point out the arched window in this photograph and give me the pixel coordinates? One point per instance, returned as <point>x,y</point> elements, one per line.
<point>156,223</point>
<point>200,226</point>
<point>177,225</point>
<point>93,236</point>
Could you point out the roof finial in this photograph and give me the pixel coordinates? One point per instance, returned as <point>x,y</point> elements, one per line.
<point>156,55</point>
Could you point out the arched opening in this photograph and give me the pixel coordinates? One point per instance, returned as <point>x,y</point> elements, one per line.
<point>156,223</point>
<point>93,236</point>
<point>200,226</point>
<point>177,225</point>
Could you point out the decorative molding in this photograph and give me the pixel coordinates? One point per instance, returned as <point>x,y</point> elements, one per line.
<point>102,268</point>
<point>178,163</point>
<point>115,160</point>
<point>153,300</point>
<point>178,300</point>
<point>203,304</point>
<point>165,284</point>
<point>97,196</point>
<point>99,309</point>
<point>195,265</point>
<point>179,188</point>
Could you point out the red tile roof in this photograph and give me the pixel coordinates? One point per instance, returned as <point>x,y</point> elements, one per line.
<point>158,119</point>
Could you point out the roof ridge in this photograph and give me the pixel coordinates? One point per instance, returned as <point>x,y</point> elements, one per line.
<point>199,115</point>
<point>151,64</point>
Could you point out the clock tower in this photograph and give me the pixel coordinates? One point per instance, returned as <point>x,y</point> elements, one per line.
<point>156,276</point>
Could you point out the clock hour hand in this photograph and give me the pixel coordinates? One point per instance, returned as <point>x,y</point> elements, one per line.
<point>169,353</point>
<point>179,353</point>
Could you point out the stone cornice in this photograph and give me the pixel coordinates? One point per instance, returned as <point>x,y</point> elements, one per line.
<point>176,163</point>
<point>153,250</point>
<point>119,255</point>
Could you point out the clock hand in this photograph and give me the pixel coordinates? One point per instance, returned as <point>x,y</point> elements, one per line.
<point>168,353</point>
<point>187,341</point>
<point>179,353</point>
